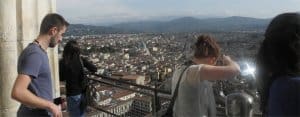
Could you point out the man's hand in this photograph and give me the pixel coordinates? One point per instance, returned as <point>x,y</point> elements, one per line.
<point>55,110</point>
<point>64,104</point>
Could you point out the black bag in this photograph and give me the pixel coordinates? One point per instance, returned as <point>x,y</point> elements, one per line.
<point>169,112</point>
<point>83,102</point>
<point>84,84</point>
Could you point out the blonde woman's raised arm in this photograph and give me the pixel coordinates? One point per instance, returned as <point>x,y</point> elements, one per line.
<point>209,72</point>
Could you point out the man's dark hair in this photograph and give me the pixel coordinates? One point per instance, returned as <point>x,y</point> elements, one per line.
<point>52,20</point>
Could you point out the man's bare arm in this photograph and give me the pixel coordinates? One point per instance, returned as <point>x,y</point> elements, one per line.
<point>24,96</point>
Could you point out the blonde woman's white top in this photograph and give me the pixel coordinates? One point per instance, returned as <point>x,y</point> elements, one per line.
<point>195,96</point>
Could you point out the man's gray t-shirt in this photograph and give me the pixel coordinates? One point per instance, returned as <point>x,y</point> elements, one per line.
<point>33,61</point>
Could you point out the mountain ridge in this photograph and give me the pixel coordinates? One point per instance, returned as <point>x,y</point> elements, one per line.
<point>183,24</point>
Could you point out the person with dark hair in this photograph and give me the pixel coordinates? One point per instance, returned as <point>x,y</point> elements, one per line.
<point>33,85</point>
<point>278,65</point>
<point>71,70</point>
<point>195,95</point>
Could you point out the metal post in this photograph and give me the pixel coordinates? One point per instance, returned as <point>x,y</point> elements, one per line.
<point>154,100</point>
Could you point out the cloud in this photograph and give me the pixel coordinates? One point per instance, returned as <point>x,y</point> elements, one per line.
<point>79,11</point>
<point>113,11</point>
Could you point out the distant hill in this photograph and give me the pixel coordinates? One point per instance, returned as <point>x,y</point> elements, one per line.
<point>190,24</point>
<point>184,24</point>
<point>80,29</point>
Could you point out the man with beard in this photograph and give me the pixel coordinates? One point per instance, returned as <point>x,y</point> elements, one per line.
<point>33,87</point>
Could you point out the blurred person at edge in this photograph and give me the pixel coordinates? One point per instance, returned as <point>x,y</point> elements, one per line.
<point>278,67</point>
<point>195,94</point>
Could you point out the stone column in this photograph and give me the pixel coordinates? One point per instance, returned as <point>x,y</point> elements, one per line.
<point>19,25</point>
<point>8,57</point>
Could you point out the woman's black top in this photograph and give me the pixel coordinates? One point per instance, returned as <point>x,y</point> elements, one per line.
<point>73,74</point>
<point>284,97</point>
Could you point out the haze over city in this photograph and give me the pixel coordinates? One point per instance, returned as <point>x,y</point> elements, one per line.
<point>145,41</point>
<point>107,12</point>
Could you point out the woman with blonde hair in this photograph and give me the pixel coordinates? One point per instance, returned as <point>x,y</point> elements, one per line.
<point>194,94</point>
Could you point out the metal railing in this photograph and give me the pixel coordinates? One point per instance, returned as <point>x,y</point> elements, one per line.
<point>145,90</point>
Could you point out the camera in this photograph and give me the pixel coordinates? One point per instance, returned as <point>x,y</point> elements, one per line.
<point>58,101</point>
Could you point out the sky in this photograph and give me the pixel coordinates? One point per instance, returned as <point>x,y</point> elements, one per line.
<point>106,12</point>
